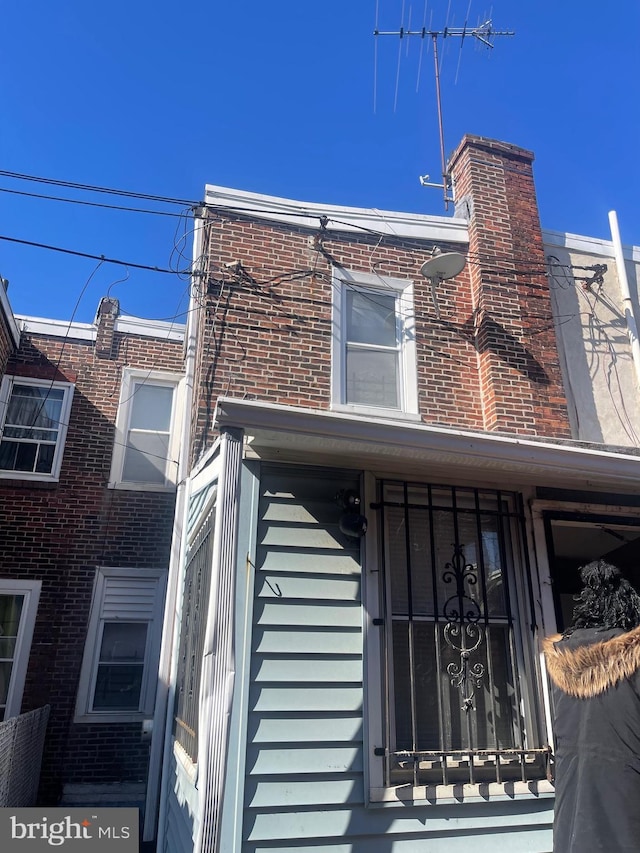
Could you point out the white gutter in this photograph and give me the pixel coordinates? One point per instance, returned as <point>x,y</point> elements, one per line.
<point>156,802</point>
<point>291,428</point>
<point>627,302</point>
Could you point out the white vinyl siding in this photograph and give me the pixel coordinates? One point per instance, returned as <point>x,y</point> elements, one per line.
<point>117,683</point>
<point>35,416</point>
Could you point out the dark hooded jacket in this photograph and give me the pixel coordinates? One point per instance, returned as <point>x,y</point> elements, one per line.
<point>595,677</point>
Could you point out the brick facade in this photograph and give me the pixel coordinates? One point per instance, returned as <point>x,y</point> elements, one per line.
<point>59,532</point>
<point>489,360</point>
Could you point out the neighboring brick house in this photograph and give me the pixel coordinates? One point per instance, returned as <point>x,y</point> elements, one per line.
<point>90,418</point>
<point>328,669</point>
<point>9,332</point>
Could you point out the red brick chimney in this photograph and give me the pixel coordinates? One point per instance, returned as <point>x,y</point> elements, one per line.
<point>520,379</point>
<point>106,316</point>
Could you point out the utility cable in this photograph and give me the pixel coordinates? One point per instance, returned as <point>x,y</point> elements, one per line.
<point>97,189</point>
<point>102,258</point>
<point>91,203</point>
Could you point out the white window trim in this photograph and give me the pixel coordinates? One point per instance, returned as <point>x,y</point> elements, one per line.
<point>31,592</point>
<point>5,394</point>
<point>546,604</point>
<point>377,793</point>
<point>153,377</point>
<point>88,672</point>
<point>403,289</point>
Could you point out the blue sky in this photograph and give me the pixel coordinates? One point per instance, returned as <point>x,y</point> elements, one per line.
<point>161,98</point>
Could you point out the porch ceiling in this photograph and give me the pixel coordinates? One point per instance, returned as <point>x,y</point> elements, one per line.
<point>298,434</point>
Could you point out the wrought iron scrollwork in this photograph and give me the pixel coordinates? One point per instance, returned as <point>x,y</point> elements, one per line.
<point>462,633</point>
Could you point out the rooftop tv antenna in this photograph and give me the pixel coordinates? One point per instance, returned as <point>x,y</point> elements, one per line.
<point>484,33</point>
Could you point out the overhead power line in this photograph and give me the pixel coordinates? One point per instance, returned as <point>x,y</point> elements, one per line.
<point>96,189</point>
<point>94,257</point>
<point>92,203</point>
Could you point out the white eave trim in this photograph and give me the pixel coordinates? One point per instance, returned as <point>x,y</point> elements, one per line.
<point>12,325</point>
<point>307,215</point>
<point>587,245</point>
<point>290,428</point>
<point>57,328</point>
<point>88,331</point>
<point>150,328</point>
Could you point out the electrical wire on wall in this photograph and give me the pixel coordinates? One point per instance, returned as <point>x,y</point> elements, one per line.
<point>597,329</point>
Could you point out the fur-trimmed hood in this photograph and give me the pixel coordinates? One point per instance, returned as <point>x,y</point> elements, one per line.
<point>584,671</point>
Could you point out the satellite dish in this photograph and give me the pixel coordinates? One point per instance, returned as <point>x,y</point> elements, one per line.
<point>443,265</point>
<point>440,267</point>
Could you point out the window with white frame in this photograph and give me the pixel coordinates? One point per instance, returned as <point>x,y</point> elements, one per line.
<point>35,416</point>
<point>456,662</point>
<point>145,454</point>
<point>374,358</point>
<point>119,669</point>
<point>195,608</point>
<point>18,607</point>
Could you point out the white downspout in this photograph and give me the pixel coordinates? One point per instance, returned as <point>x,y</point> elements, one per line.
<point>627,302</point>
<point>156,801</point>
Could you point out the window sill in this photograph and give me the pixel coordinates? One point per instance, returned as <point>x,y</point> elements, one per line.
<point>29,477</point>
<point>462,793</point>
<point>373,412</point>
<point>114,717</point>
<point>141,487</point>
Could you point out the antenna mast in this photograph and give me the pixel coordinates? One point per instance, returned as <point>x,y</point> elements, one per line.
<point>484,33</point>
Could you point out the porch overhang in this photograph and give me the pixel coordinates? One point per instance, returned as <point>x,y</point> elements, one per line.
<point>290,433</point>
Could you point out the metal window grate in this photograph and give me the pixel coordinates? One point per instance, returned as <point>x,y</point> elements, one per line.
<point>472,766</point>
<point>454,706</point>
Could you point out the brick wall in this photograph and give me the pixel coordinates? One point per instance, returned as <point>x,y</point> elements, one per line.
<point>266,331</point>
<point>59,532</point>
<point>487,362</point>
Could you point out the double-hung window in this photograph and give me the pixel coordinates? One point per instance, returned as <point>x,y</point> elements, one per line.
<point>35,415</point>
<point>458,707</point>
<point>18,607</point>
<point>119,668</point>
<point>147,431</point>
<point>373,360</point>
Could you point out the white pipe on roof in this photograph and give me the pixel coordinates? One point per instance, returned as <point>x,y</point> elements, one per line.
<point>627,302</point>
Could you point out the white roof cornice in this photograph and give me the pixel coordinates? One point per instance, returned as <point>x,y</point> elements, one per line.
<point>150,328</point>
<point>417,226</point>
<point>57,328</point>
<point>588,245</point>
<point>87,331</point>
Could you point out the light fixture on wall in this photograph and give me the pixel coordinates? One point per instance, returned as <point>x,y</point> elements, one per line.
<point>352,523</point>
<point>440,267</point>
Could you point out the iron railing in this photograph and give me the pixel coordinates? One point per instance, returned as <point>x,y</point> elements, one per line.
<point>472,766</point>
